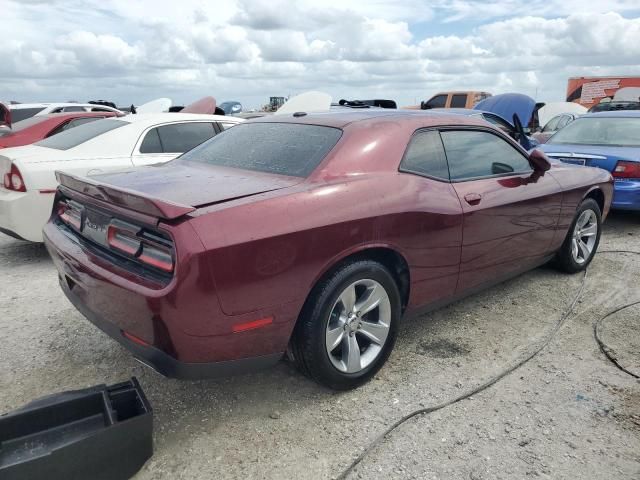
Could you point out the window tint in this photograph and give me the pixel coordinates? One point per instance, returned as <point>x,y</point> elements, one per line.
<point>18,114</point>
<point>439,101</point>
<point>425,155</point>
<point>498,122</point>
<point>182,137</point>
<point>280,148</point>
<point>151,142</point>
<point>552,124</point>
<point>479,154</point>
<point>75,136</point>
<point>459,101</point>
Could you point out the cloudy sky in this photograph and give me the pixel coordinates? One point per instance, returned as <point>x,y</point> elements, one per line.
<point>133,51</point>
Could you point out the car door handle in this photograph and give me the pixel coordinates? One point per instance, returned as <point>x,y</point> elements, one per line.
<point>473,198</point>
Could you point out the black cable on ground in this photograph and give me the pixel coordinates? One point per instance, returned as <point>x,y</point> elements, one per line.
<point>501,375</point>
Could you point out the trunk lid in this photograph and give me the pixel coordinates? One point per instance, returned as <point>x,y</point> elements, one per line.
<point>195,184</point>
<point>169,191</point>
<point>604,157</point>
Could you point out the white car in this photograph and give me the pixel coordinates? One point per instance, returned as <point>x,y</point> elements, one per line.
<point>20,111</point>
<point>28,173</point>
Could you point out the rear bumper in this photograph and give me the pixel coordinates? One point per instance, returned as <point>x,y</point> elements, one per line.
<point>165,364</point>
<point>23,214</point>
<point>626,195</point>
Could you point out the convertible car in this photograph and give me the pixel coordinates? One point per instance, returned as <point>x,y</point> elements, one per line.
<point>313,234</point>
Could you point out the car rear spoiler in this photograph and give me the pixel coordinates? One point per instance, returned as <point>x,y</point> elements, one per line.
<point>125,198</point>
<point>101,432</point>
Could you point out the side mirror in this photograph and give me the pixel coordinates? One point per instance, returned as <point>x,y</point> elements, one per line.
<point>539,161</point>
<point>424,105</point>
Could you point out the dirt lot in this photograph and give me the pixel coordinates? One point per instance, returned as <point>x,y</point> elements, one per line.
<point>567,413</point>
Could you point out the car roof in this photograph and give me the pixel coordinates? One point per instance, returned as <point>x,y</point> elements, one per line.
<point>342,118</point>
<point>153,118</point>
<point>613,113</point>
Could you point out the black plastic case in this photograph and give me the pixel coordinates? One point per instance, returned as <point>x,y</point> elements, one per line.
<point>96,433</point>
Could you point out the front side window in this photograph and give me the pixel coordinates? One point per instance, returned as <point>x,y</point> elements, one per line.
<point>182,137</point>
<point>425,156</point>
<point>439,101</point>
<point>83,133</point>
<point>290,149</point>
<point>473,154</point>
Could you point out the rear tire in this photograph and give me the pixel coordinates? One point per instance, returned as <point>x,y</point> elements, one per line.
<point>348,325</point>
<point>582,239</point>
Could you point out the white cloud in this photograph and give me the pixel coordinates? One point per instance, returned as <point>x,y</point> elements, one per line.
<point>251,49</point>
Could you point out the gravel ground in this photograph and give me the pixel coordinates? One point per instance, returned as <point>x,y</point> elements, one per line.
<point>567,413</point>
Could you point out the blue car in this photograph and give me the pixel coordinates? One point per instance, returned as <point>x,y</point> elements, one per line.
<point>608,140</point>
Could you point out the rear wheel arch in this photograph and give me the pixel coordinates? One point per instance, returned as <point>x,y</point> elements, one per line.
<point>598,195</point>
<point>387,256</point>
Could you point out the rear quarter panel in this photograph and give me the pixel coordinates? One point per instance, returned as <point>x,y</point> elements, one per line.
<point>577,183</point>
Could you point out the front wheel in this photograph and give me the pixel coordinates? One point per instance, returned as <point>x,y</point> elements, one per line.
<point>583,238</point>
<point>348,326</point>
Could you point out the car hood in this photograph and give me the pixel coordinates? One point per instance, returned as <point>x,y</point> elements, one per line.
<point>508,104</point>
<point>195,184</point>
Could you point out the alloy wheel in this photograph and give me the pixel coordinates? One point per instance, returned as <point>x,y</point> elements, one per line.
<point>358,326</point>
<point>584,236</point>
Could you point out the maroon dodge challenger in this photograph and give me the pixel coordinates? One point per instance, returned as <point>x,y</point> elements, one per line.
<point>313,234</point>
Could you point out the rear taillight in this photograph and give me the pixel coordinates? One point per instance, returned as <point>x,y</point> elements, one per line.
<point>625,169</point>
<point>13,180</point>
<point>70,214</point>
<point>146,248</point>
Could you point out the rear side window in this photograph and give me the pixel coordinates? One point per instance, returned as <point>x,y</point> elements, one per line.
<point>459,101</point>
<point>83,133</point>
<point>280,148</point>
<point>73,109</point>
<point>425,156</point>
<point>151,142</point>
<point>182,137</point>
<point>474,154</point>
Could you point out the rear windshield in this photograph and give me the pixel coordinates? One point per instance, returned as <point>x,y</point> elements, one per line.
<point>611,131</point>
<point>80,134</point>
<point>29,122</point>
<point>18,114</point>
<point>281,148</point>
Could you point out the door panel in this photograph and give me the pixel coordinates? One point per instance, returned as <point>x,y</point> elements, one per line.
<point>509,212</point>
<point>510,226</point>
<point>152,158</point>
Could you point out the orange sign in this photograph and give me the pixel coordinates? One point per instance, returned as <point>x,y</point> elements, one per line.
<point>589,91</point>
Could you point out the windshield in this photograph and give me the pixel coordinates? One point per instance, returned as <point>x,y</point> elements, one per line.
<point>80,134</point>
<point>281,148</point>
<point>612,131</point>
